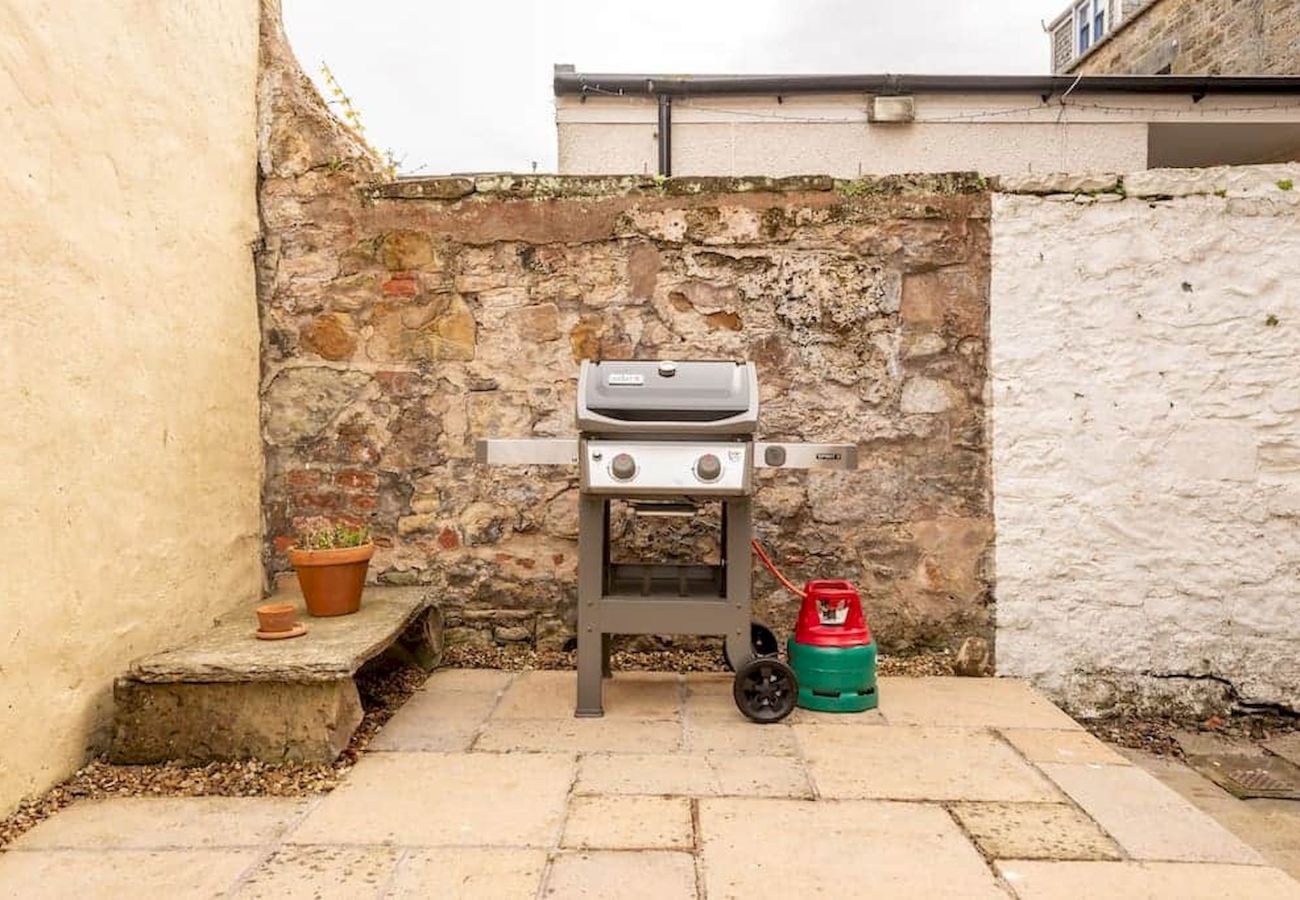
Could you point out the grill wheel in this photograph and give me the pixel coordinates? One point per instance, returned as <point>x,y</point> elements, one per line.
<point>766,690</point>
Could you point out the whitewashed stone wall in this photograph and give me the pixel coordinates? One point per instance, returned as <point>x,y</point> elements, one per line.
<point>1145,357</point>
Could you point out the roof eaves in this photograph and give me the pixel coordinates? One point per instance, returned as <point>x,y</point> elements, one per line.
<point>569,82</point>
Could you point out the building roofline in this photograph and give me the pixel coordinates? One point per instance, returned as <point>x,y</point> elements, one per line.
<point>1067,13</point>
<point>569,82</point>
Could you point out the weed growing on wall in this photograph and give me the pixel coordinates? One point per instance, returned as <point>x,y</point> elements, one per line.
<point>348,112</point>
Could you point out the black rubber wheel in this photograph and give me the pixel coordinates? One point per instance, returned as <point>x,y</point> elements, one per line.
<point>765,690</point>
<point>761,640</point>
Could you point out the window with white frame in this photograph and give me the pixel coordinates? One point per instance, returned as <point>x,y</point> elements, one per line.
<point>1089,24</point>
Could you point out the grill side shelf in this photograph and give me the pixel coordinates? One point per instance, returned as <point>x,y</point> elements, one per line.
<point>527,451</point>
<point>843,457</point>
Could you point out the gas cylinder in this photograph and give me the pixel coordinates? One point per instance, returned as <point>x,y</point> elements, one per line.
<point>832,652</point>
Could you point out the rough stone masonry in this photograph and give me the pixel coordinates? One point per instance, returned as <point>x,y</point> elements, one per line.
<point>401,321</point>
<point>1191,37</point>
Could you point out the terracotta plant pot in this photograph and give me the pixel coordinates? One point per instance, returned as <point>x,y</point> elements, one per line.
<point>332,580</point>
<point>276,617</point>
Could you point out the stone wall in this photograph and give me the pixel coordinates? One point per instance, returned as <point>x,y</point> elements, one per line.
<point>403,321</point>
<point>1195,37</point>
<point>130,470</point>
<point>1146,433</point>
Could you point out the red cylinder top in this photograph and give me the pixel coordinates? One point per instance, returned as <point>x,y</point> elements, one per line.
<point>831,616</point>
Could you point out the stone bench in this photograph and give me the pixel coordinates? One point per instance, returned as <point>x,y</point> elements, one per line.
<point>227,695</point>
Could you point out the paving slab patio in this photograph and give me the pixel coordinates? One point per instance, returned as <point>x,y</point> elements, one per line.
<point>861,848</point>
<point>306,873</point>
<point>121,873</point>
<point>1034,831</point>
<point>629,823</point>
<point>602,874</point>
<point>160,823</point>
<point>468,873</point>
<point>614,735</point>
<point>969,703</point>
<point>484,785</point>
<point>1046,745</point>
<point>445,799</point>
<point>913,763</point>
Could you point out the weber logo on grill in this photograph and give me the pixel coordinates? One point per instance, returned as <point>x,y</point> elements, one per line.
<point>625,378</point>
<point>828,456</point>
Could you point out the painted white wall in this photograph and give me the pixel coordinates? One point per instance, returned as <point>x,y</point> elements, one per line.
<point>1146,439</point>
<point>130,458</point>
<point>993,133</point>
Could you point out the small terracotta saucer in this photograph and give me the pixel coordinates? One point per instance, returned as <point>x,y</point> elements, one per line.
<point>296,631</point>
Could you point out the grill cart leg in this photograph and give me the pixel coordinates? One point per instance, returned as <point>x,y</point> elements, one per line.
<point>737,564</point>
<point>592,537</point>
<point>761,640</point>
<point>737,646</point>
<point>590,702</point>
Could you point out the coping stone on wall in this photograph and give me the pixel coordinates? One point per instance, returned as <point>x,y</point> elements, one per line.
<point>1057,183</point>
<point>506,186</point>
<point>1223,180</point>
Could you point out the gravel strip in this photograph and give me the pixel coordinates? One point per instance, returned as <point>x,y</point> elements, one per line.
<point>1158,736</point>
<point>1155,736</point>
<point>694,659</point>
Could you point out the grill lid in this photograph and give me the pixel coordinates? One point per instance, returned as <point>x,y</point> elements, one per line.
<point>646,395</point>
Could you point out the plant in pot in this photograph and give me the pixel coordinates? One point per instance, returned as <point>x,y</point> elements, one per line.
<point>331,559</point>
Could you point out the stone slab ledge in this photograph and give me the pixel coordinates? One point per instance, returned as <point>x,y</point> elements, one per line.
<point>333,648</point>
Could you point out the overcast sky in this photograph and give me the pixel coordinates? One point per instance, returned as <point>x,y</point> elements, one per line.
<point>466,86</point>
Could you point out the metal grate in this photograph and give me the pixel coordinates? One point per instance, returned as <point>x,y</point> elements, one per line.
<point>1249,775</point>
<point>1259,781</point>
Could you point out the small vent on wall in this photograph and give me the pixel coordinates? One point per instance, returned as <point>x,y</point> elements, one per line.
<point>891,109</point>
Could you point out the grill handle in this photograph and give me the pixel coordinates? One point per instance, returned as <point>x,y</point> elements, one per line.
<point>842,457</point>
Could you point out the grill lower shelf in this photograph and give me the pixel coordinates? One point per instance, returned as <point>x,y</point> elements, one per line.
<point>642,580</point>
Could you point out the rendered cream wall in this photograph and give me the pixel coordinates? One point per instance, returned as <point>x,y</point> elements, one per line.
<point>848,151</point>
<point>1146,440</point>
<point>829,134</point>
<point>130,456</point>
<point>853,150</point>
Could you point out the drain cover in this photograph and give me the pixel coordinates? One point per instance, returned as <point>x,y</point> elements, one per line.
<point>1258,781</point>
<point>1247,776</point>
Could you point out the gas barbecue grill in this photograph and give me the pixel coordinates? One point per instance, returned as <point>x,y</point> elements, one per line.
<point>665,436</point>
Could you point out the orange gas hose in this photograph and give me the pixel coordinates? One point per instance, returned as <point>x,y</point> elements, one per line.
<point>771,567</point>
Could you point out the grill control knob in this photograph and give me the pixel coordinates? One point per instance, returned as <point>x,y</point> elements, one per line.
<point>708,467</point>
<point>622,466</point>
<point>667,368</point>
